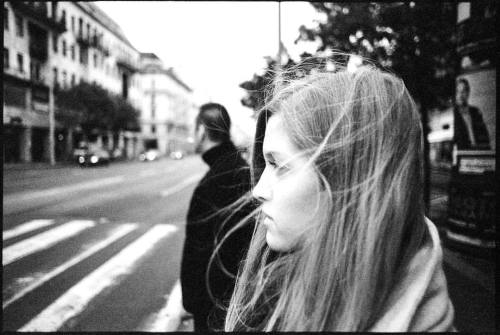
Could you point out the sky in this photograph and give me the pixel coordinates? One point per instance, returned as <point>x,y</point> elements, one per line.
<point>214,46</point>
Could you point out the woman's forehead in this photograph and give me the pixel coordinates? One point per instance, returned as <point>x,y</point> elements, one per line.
<point>276,140</point>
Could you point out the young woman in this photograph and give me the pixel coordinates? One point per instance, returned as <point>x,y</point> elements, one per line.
<point>341,242</point>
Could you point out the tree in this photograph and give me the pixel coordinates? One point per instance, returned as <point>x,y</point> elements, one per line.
<point>126,116</point>
<point>94,109</point>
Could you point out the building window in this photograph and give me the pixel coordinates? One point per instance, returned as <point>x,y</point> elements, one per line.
<point>64,79</point>
<point>153,129</point>
<point>64,48</point>
<point>35,70</point>
<point>80,27</point>
<point>54,43</point>
<point>63,17</point>
<point>73,24</point>
<point>73,80</point>
<point>5,18</point>
<point>95,59</point>
<point>56,80</point>
<point>82,56</point>
<point>88,29</point>
<point>19,26</point>
<point>5,58</point>
<point>73,52</point>
<point>20,63</point>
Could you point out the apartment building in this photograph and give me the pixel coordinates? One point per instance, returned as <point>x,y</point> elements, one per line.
<point>168,111</point>
<point>59,44</point>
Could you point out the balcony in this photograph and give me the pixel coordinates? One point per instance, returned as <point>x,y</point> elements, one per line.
<point>476,34</point>
<point>84,42</point>
<point>126,64</point>
<point>38,12</point>
<point>38,52</point>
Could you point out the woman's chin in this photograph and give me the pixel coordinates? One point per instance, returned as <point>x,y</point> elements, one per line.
<point>275,243</point>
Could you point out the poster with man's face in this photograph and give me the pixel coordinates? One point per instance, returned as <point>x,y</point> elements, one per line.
<point>475,111</point>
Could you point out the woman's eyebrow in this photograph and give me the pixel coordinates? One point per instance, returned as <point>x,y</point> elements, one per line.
<point>273,155</point>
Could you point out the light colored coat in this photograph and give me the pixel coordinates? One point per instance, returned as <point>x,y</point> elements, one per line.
<point>420,302</point>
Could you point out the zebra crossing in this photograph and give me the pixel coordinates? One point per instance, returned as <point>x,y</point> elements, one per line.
<point>38,257</point>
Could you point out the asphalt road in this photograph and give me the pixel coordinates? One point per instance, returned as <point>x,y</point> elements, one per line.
<point>98,249</point>
<point>94,249</point>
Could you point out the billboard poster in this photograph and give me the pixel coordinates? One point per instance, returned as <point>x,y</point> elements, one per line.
<point>472,194</point>
<point>474,111</point>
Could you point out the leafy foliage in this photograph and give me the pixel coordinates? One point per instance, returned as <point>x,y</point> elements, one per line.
<point>415,40</point>
<point>92,107</point>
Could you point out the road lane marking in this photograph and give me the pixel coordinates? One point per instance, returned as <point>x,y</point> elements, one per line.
<point>44,240</point>
<point>17,198</point>
<point>182,185</point>
<point>116,234</point>
<point>170,315</point>
<point>77,298</point>
<point>26,228</point>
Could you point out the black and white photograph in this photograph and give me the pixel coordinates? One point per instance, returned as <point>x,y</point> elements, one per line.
<point>249,166</point>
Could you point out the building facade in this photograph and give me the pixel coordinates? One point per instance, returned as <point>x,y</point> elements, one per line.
<point>59,44</point>
<point>168,110</point>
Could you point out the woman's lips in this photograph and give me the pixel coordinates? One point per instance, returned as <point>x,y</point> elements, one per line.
<point>267,220</point>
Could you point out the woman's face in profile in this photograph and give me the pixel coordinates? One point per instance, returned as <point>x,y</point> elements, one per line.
<point>288,189</point>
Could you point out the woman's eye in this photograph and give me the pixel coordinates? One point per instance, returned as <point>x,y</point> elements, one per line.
<point>277,167</point>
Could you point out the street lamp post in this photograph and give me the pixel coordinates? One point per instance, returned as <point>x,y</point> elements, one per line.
<point>52,158</point>
<point>278,65</point>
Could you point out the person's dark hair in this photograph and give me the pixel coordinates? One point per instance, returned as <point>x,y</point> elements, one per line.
<point>216,120</point>
<point>465,82</point>
<point>258,162</point>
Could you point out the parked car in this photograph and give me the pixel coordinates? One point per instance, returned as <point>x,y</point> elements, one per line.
<point>81,150</point>
<point>92,157</point>
<point>177,154</point>
<point>149,155</point>
<point>117,154</point>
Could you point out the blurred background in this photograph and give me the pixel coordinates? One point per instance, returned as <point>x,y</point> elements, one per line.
<point>99,102</point>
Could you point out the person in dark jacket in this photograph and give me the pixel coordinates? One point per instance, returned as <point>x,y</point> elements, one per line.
<point>470,130</point>
<point>208,220</point>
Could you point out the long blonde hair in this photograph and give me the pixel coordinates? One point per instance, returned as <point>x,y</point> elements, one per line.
<point>361,131</point>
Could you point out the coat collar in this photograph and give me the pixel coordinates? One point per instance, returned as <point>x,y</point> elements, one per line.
<point>214,154</point>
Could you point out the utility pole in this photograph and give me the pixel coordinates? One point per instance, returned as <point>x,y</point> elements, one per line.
<point>278,66</point>
<point>52,156</point>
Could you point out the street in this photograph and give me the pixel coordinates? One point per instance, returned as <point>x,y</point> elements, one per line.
<point>93,249</point>
<point>98,249</point>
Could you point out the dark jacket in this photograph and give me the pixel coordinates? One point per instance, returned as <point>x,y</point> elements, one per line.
<point>226,181</point>
<point>461,133</point>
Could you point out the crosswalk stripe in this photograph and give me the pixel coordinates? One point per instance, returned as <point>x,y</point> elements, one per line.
<point>121,231</point>
<point>75,300</point>
<point>26,228</point>
<point>44,240</point>
<point>170,316</point>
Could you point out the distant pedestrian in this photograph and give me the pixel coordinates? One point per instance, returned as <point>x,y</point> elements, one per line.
<point>341,242</point>
<point>470,130</point>
<point>207,272</point>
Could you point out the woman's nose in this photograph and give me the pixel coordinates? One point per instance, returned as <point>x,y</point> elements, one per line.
<point>262,191</point>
